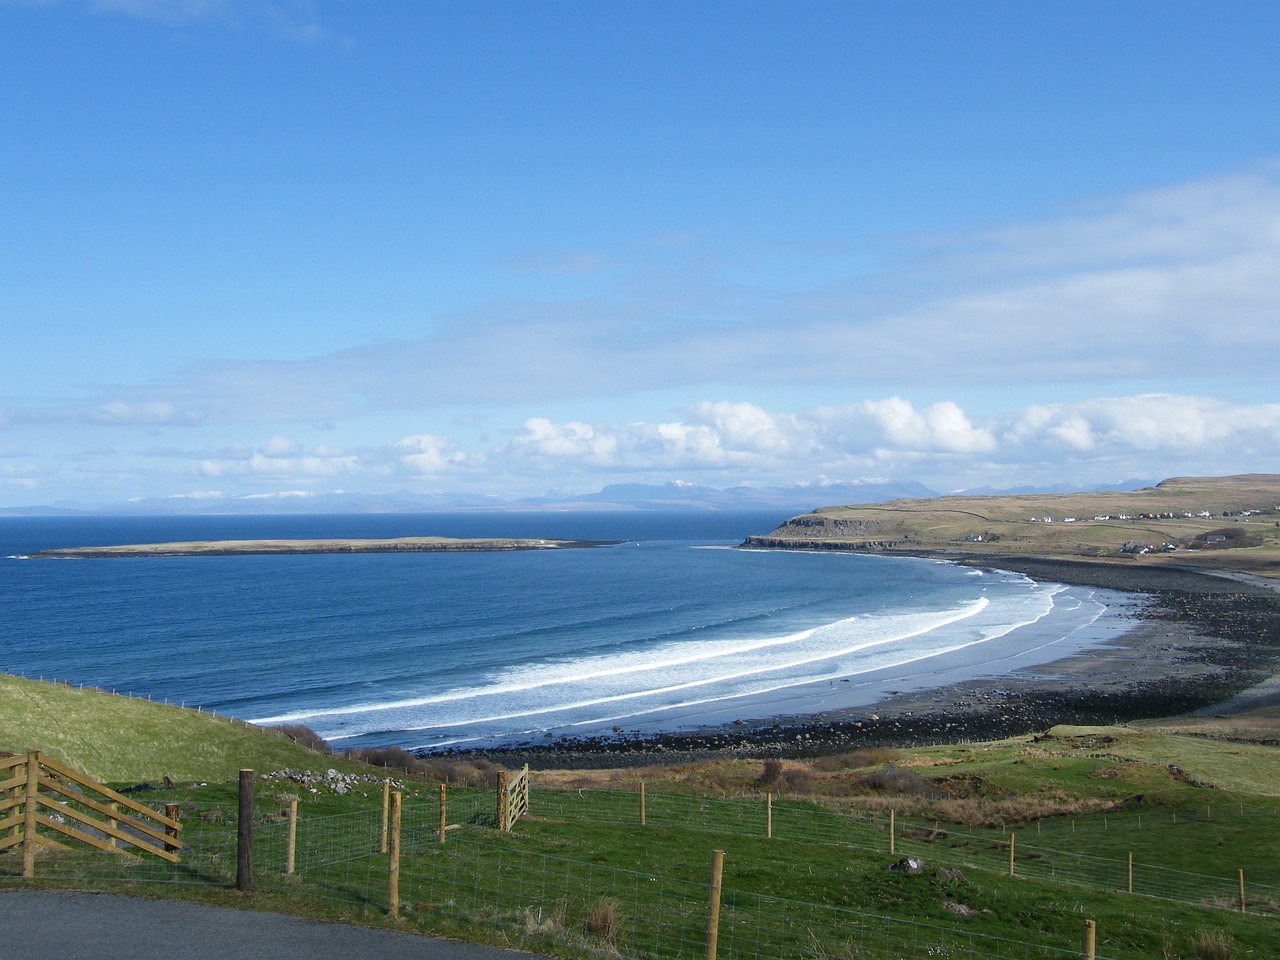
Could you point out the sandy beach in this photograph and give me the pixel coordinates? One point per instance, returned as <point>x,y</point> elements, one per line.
<point>1198,640</point>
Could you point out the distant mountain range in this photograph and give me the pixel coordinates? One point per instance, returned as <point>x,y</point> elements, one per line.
<point>798,498</point>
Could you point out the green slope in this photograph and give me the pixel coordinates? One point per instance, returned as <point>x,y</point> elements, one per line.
<point>117,739</point>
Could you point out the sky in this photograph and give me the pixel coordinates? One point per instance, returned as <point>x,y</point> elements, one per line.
<point>276,247</point>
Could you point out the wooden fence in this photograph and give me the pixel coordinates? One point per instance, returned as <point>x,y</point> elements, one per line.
<point>40,798</point>
<point>513,798</point>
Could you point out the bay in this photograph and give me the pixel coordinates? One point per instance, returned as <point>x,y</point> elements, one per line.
<point>668,630</point>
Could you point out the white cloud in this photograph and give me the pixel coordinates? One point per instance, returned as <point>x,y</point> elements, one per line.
<point>426,454</point>
<point>147,412</point>
<point>895,424</point>
<point>280,446</point>
<point>1151,423</point>
<point>1146,435</point>
<point>539,437</point>
<point>260,465</point>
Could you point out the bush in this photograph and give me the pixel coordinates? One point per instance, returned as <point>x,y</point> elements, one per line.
<point>899,782</point>
<point>473,773</point>
<point>304,736</point>
<point>392,758</point>
<point>771,774</point>
<point>776,776</point>
<point>855,760</point>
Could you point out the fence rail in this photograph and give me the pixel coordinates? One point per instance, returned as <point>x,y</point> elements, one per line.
<point>78,809</point>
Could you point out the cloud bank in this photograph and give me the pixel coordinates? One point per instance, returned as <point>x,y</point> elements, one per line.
<point>1173,288</point>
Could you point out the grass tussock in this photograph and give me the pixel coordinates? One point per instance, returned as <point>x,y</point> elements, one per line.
<point>604,922</point>
<point>1211,945</point>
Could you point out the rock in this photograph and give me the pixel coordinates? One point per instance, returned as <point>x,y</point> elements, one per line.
<point>951,875</point>
<point>911,866</point>
<point>959,909</point>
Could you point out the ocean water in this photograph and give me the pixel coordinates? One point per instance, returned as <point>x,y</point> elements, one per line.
<point>669,629</point>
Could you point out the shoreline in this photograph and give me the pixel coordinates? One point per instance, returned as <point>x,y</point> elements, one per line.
<point>1199,639</point>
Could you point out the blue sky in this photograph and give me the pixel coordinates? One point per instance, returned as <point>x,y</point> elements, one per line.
<point>274,247</point>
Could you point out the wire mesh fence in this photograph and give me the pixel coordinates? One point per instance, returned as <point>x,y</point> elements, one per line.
<point>970,848</point>
<point>478,878</point>
<point>208,856</point>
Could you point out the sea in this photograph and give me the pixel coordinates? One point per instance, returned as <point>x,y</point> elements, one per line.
<point>671,627</point>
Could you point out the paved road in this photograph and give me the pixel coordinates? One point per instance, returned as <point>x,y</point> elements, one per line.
<point>39,925</point>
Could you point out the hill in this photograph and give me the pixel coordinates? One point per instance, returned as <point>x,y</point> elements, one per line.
<point>117,739</point>
<point>1230,523</point>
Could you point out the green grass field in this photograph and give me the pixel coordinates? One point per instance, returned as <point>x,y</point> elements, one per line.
<point>582,877</point>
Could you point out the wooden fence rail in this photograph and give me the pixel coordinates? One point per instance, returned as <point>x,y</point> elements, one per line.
<point>513,798</point>
<point>40,798</point>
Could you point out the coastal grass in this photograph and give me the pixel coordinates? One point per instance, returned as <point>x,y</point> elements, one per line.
<point>1178,804</point>
<point>124,740</point>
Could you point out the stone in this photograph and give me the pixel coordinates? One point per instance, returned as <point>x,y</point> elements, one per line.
<point>911,866</point>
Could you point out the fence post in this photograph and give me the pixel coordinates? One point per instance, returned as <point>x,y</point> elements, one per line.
<point>171,811</point>
<point>502,800</point>
<point>113,824</point>
<point>1131,871</point>
<point>713,903</point>
<point>386,799</point>
<point>291,850</point>
<point>1012,837</point>
<point>768,830</point>
<point>29,802</point>
<point>244,834</point>
<point>891,831</point>
<point>642,804</point>
<point>393,859</point>
<point>1242,910</point>
<point>444,817</point>
<point>1089,940</point>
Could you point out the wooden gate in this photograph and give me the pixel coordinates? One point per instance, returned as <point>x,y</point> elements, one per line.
<point>40,797</point>
<point>513,797</point>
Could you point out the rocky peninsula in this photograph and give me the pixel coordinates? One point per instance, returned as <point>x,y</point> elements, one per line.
<point>232,548</point>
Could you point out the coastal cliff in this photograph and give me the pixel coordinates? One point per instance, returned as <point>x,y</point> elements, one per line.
<point>1228,523</point>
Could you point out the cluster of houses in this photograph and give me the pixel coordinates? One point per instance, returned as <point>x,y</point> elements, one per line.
<point>1203,514</point>
<point>1138,547</point>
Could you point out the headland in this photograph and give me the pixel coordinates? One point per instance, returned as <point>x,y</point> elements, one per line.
<point>231,548</point>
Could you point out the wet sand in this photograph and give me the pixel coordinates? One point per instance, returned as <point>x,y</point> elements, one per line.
<point>1198,639</point>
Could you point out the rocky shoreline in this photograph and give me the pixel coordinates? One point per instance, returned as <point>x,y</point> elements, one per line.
<point>1198,640</point>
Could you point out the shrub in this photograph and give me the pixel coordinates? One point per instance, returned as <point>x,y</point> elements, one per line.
<point>304,736</point>
<point>472,773</point>
<point>771,773</point>
<point>856,759</point>
<point>899,782</point>
<point>777,776</point>
<point>393,758</point>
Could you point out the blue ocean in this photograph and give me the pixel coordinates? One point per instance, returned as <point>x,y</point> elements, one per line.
<point>669,629</point>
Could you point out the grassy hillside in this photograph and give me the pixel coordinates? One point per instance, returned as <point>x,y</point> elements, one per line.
<point>1231,522</point>
<point>582,877</point>
<point>116,739</point>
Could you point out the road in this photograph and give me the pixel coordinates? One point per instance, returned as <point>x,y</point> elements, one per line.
<point>45,925</point>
